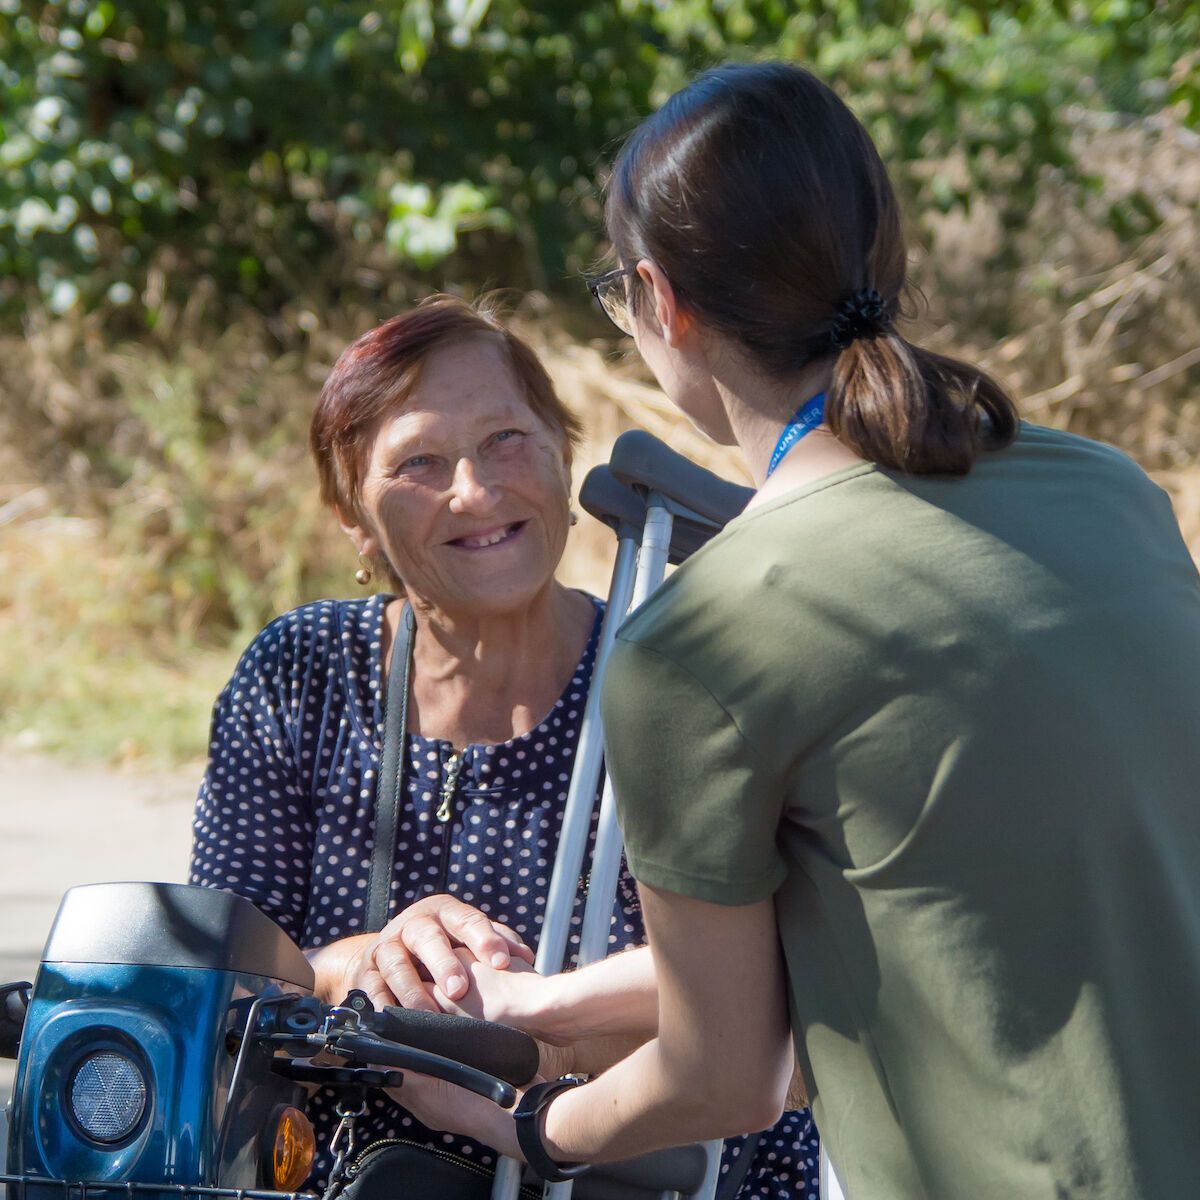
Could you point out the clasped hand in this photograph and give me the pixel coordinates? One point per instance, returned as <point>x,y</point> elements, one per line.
<point>421,952</point>
<point>441,955</point>
<point>499,995</point>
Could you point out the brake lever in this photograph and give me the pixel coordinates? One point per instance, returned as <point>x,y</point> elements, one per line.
<point>366,1048</point>
<point>311,1027</point>
<point>352,1046</point>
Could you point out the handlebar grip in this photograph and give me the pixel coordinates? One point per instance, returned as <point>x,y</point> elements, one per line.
<point>641,460</point>
<point>14,1001</point>
<point>678,1169</point>
<point>495,1049</point>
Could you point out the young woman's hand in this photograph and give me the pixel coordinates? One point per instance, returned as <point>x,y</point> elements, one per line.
<point>614,998</point>
<point>421,949</point>
<point>516,995</point>
<point>548,1009</point>
<point>443,1106</point>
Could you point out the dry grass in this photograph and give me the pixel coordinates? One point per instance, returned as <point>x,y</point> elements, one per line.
<point>157,504</point>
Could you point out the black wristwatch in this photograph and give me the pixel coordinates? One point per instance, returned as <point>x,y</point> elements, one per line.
<point>528,1117</point>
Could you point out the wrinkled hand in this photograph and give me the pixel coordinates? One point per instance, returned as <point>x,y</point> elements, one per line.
<point>425,949</point>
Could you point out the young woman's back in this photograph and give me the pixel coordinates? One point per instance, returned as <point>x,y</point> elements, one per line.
<point>949,723</point>
<point>923,718</point>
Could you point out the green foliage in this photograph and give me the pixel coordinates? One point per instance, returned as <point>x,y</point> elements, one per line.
<point>289,149</point>
<point>256,182</point>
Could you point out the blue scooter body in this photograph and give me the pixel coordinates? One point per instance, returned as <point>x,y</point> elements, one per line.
<point>135,1041</point>
<point>169,1029</point>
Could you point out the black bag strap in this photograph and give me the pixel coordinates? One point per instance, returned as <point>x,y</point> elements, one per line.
<point>739,1169</point>
<point>390,781</point>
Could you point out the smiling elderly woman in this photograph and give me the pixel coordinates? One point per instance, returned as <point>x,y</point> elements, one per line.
<point>445,455</point>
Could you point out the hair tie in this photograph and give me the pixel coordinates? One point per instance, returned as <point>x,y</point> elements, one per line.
<point>863,315</point>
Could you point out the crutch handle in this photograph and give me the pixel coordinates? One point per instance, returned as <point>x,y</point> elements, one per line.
<point>613,503</point>
<point>648,465</point>
<point>619,507</point>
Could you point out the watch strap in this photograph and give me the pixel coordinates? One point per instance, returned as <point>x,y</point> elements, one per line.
<point>528,1117</point>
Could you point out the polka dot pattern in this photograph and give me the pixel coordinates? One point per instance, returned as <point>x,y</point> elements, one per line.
<point>285,817</point>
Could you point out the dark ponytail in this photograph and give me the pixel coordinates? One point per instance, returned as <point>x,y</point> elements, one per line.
<point>904,407</point>
<point>766,204</point>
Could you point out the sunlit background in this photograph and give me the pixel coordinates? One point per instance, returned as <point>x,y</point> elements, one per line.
<point>202,203</point>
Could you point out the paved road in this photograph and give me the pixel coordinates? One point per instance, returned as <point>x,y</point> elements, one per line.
<point>62,825</point>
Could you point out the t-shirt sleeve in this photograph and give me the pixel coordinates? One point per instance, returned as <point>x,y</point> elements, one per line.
<point>252,833</point>
<point>698,809</point>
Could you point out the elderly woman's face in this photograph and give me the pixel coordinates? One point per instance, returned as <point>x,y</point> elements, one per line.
<point>466,491</point>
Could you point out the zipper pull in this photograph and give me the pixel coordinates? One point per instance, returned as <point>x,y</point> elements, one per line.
<point>454,765</point>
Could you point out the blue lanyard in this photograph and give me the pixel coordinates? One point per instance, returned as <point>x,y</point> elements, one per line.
<point>808,416</point>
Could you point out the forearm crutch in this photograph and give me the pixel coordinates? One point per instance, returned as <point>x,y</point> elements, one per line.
<point>641,498</point>
<point>684,500</point>
<point>685,506</point>
<point>701,504</point>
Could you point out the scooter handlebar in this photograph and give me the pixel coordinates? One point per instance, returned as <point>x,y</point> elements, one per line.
<point>484,1046</point>
<point>14,1001</point>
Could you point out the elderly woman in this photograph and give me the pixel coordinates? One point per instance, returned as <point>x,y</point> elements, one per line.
<point>445,455</point>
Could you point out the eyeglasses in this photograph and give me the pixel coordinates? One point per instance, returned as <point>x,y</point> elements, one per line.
<point>612,294</point>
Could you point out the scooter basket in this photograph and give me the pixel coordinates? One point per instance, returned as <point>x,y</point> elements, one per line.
<point>37,1187</point>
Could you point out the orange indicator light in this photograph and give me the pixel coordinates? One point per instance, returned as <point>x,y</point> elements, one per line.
<point>294,1150</point>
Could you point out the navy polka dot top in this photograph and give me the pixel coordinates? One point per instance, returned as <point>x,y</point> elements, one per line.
<point>285,817</point>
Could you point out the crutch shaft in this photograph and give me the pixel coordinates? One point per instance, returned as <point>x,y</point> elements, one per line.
<point>589,759</point>
<point>606,855</point>
<point>577,815</point>
<point>602,887</point>
<point>656,548</point>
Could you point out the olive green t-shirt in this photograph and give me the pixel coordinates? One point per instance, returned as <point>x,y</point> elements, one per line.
<point>950,724</point>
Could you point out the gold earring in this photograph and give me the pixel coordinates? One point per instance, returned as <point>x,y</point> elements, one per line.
<point>574,517</point>
<point>363,575</point>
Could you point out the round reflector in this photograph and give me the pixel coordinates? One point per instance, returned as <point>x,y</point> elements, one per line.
<point>294,1150</point>
<point>108,1096</point>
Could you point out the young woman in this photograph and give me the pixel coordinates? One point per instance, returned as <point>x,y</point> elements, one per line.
<point>907,757</point>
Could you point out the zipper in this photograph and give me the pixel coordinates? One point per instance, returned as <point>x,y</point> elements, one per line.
<point>454,766</point>
<point>445,1155</point>
<point>445,813</point>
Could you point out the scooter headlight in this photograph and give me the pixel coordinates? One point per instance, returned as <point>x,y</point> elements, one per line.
<point>108,1095</point>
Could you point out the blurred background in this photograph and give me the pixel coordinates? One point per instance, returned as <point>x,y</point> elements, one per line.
<point>202,202</point>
